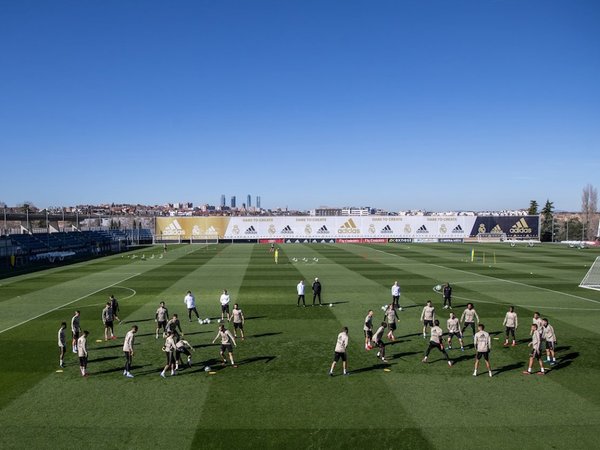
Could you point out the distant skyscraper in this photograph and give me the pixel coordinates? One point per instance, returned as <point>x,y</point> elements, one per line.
<point>233,201</point>
<point>249,201</point>
<point>223,201</point>
<point>258,201</point>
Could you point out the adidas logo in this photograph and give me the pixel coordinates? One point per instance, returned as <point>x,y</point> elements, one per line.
<point>457,229</point>
<point>323,230</point>
<point>287,230</point>
<point>212,230</point>
<point>173,229</point>
<point>497,230</point>
<point>250,230</point>
<point>521,227</point>
<point>387,229</point>
<point>422,229</point>
<point>349,227</point>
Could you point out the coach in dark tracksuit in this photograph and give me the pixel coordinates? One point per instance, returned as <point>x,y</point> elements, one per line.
<point>316,287</point>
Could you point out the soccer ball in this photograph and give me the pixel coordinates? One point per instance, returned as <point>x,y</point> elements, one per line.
<point>220,320</point>
<point>207,369</point>
<point>384,307</point>
<point>207,320</point>
<point>331,305</point>
<point>438,288</point>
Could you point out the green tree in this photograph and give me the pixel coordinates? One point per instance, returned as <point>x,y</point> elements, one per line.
<point>589,207</point>
<point>546,223</point>
<point>533,208</point>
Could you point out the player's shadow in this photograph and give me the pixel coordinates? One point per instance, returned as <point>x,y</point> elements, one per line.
<point>462,358</point>
<point>495,333</point>
<point>379,366</point>
<point>264,335</point>
<point>266,359</point>
<point>340,302</point>
<point>566,360</point>
<point>401,355</point>
<point>411,335</point>
<point>563,348</point>
<point>145,334</point>
<point>254,317</point>
<point>106,347</point>
<point>397,341</point>
<point>198,332</point>
<point>508,367</point>
<point>136,321</point>
<point>103,358</point>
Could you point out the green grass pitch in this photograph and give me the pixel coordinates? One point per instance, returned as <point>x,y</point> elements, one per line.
<point>280,395</point>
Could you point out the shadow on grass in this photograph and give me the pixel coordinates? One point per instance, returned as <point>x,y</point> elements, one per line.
<point>565,360</point>
<point>104,358</point>
<point>401,355</point>
<point>379,366</point>
<point>509,367</point>
<point>266,359</point>
<point>133,322</point>
<point>397,341</point>
<point>264,335</point>
<point>198,332</point>
<point>254,317</point>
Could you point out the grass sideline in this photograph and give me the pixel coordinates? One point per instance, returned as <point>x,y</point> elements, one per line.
<point>280,395</point>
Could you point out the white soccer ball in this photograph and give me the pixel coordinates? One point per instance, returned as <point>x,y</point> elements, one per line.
<point>207,320</point>
<point>384,307</point>
<point>207,369</point>
<point>331,305</point>
<point>438,288</point>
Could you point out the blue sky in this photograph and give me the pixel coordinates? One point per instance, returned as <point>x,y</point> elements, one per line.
<point>450,104</point>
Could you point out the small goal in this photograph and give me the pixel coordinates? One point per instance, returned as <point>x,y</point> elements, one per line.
<point>204,239</point>
<point>592,278</point>
<point>491,237</point>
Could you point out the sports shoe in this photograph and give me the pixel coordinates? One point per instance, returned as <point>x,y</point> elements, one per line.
<point>514,344</point>
<point>124,372</point>
<point>129,375</point>
<point>474,374</point>
<point>540,373</point>
<point>424,360</point>
<point>162,374</point>
<point>199,320</point>
<point>462,349</point>
<point>346,373</point>
<point>505,344</point>
<point>449,363</point>
<point>490,374</point>
<point>526,372</point>
<point>330,374</point>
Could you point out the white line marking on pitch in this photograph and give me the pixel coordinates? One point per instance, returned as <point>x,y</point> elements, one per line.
<point>69,303</point>
<point>501,279</point>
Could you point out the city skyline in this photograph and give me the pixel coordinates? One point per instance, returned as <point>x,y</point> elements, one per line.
<point>402,105</point>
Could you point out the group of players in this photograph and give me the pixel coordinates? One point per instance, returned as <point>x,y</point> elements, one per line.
<point>168,327</point>
<point>175,347</point>
<point>541,332</point>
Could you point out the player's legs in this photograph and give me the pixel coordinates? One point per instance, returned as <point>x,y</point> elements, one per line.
<point>231,357</point>
<point>61,356</point>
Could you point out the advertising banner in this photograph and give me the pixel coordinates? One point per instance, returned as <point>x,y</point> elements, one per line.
<point>515,227</point>
<point>362,229</point>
